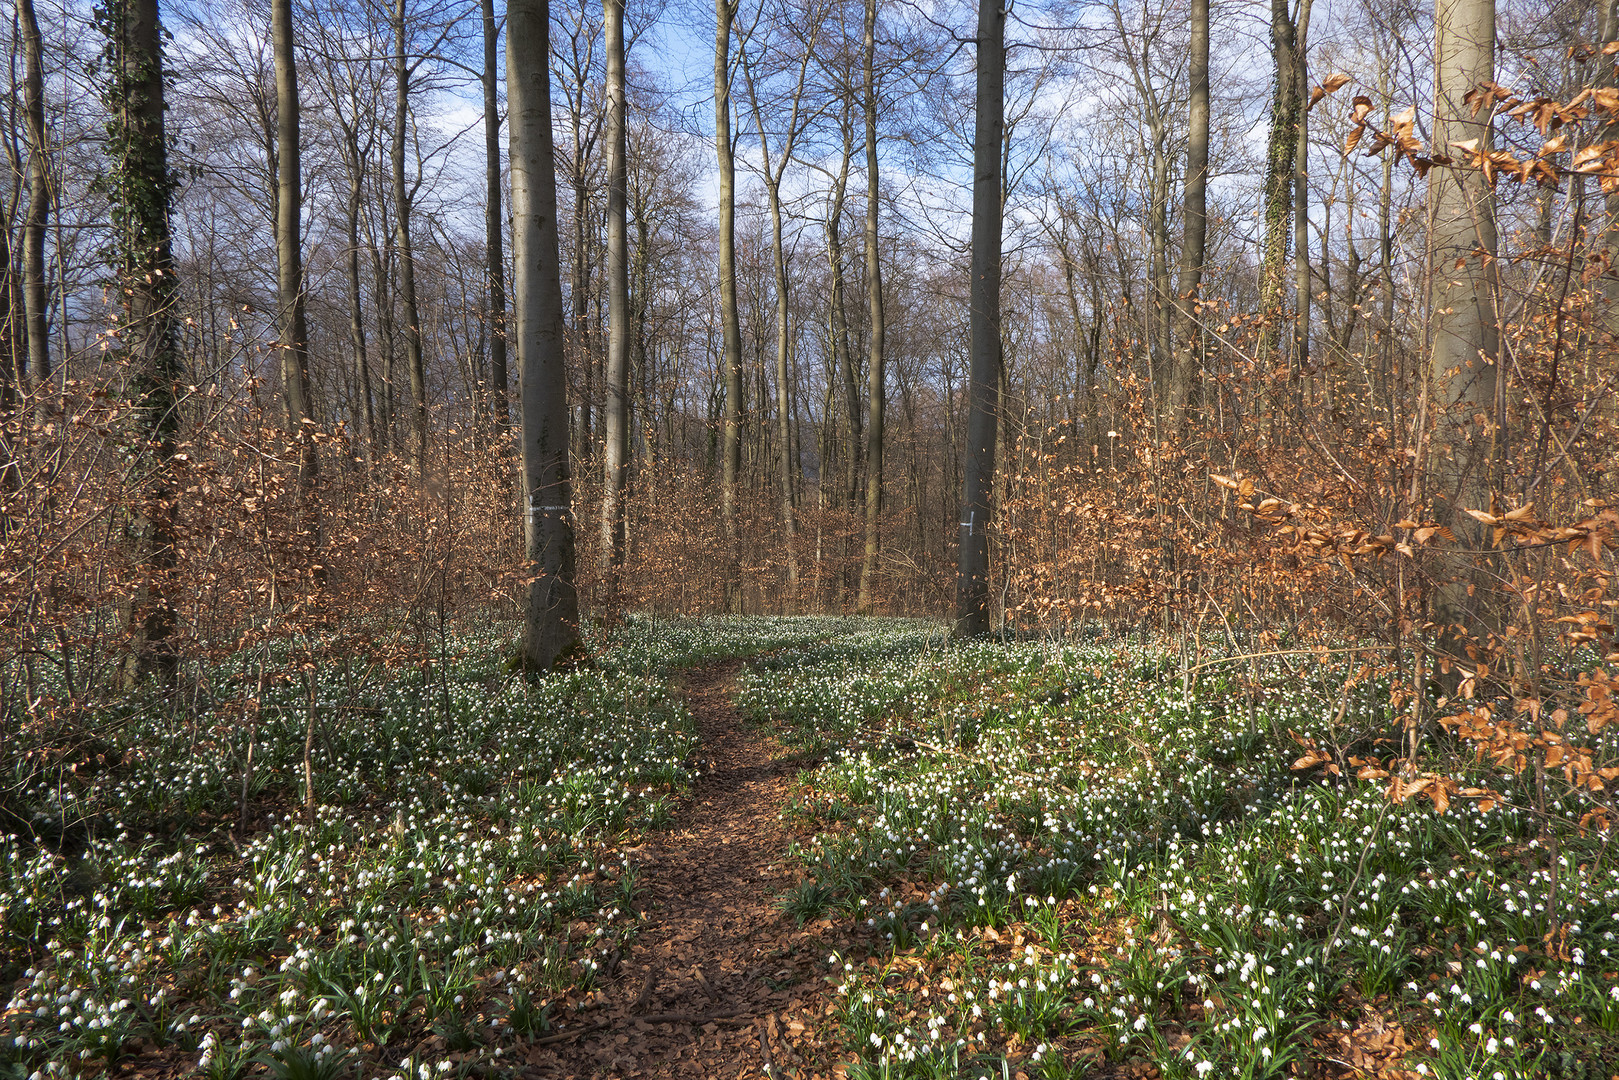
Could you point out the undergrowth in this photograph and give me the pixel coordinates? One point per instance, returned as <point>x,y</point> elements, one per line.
<point>445,879</point>
<point>1063,860</point>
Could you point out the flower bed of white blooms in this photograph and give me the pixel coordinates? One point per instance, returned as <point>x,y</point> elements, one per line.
<point>1061,859</point>
<point>458,885</point>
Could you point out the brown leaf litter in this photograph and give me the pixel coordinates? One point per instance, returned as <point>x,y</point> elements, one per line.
<point>718,982</point>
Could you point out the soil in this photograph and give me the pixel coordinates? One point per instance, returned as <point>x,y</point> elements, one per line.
<point>718,982</point>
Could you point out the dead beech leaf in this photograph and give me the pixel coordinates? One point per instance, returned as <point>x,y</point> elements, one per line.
<point>1336,81</point>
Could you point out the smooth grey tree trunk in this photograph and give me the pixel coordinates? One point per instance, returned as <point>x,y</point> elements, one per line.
<point>984,329</point>
<point>551,607</point>
<point>294,334</point>
<point>1468,437</point>
<point>876,375</point>
<point>773,175</point>
<point>357,343</point>
<point>615,411</point>
<point>583,138</point>
<point>403,199</point>
<point>1189,280</point>
<point>1161,309</point>
<point>843,352</point>
<point>494,233</point>
<point>730,321</point>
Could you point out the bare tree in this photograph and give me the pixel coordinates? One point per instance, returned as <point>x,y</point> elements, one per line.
<point>730,323</point>
<point>838,314</point>
<point>876,381</point>
<point>1301,195</point>
<point>1608,31</point>
<point>1281,151</point>
<point>294,332</point>
<point>984,317</point>
<point>1469,435</point>
<point>1195,217</point>
<point>35,290</point>
<point>773,174</point>
<point>140,189</point>
<point>551,609</point>
<point>615,412</point>
<point>404,195</point>
<point>494,233</point>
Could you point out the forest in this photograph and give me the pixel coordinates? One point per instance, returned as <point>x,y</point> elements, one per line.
<point>810,538</point>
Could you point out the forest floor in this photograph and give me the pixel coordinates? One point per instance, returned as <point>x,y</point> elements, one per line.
<point>718,982</point>
<point>806,848</point>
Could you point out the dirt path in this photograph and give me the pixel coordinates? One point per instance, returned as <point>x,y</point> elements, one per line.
<point>717,973</point>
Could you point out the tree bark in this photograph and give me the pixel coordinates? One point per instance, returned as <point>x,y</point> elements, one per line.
<point>356,298</point>
<point>494,233</point>
<point>615,419</point>
<point>551,607</point>
<point>730,322</point>
<point>1468,436</point>
<point>843,353</point>
<point>773,175</point>
<point>876,376</point>
<point>1390,367</point>
<point>1301,196</point>
<point>36,295</point>
<point>984,317</point>
<point>1194,241</point>
<point>1281,150</point>
<point>1609,33</point>
<point>403,199</point>
<point>1160,311</point>
<point>293,332</point>
<point>140,189</point>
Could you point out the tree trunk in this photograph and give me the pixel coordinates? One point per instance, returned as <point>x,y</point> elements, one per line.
<point>1390,369</point>
<point>984,318</point>
<point>615,419</point>
<point>784,433</point>
<point>1468,437</point>
<point>551,608</point>
<point>36,296</point>
<point>730,321</point>
<point>387,329</point>
<point>1301,197</point>
<point>843,353</point>
<point>1189,282</point>
<point>403,197</point>
<point>494,234</point>
<point>876,381</point>
<point>1609,33</point>
<point>1284,129</point>
<point>579,280</point>
<point>1160,310</point>
<point>293,332</point>
<point>140,189</point>
<point>357,345</point>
